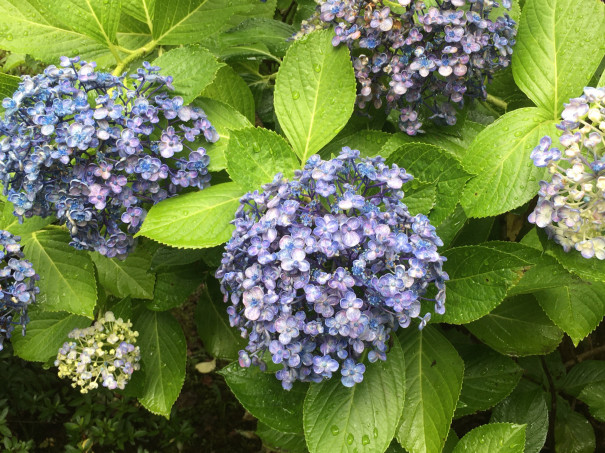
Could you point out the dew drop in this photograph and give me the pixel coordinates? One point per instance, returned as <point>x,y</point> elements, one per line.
<point>484,372</point>
<point>375,433</point>
<point>365,440</point>
<point>295,95</point>
<point>350,438</point>
<point>317,68</point>
<point>9,37</point>
<point>334,430</point>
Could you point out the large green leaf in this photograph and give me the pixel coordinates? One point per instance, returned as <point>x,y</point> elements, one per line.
<point>546,273</point>
<point>192,68</point>
<point>518,327</point>
<point>46,333</point>
<point>433,164</point>
<point>140,9</point>
<point>194,220</point>
<point>173,287</point>
<point>583,374</point>
<point>493,438</point>
<point>224,118</point>
<point>499,156</point>
<point>433,376</point>
<point>577,308</point>
<point>280,441</point>
<point>488,378</point>
<point>594,396</point>
<point>67,279</point>
<point>256,155</point>
<point>272,34</point>
<point>10,222</point>
<point>219,338</point>
<point>231,89</point>
<point>591,269</point>
<point>27,27</point>
<point>368,142</point>
<point>98,19</point>
<point>129,277</point>
<point>479,275</point>
<point>529,408</point>
<point>557,50</point>
<point>263,396</point>
<point>163,359</point>
<point>363,418</point>
<point>188,21</point>
<point>8,85</point>
<point>573,433</point>
<point>314,92</point>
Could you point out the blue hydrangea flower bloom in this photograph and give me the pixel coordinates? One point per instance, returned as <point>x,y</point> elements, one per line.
<point>17,286</point>
<point>321,268</point>
<point>571,206</point>
<point>422,61</point>
<point>96,150</point>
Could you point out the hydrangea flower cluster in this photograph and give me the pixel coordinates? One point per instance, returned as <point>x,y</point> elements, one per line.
<point>421,61</point>
<point>104,351</point>
<point>96,150</point>
<point>17,286</point>
<point>571,206</point>
<point>321,269</point>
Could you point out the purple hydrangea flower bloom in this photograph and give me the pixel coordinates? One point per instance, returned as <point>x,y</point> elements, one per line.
<point>18,284</point>
<point>571,206</point>
<point>340,278</point>
<point>421,60</point>
<point>98,168</point>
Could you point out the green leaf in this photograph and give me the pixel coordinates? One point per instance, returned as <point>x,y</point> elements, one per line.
<point>488,378</point>
<point>314,92</point>
<point>98,19</point>
<point>480,276</point>
<point>122,309</point>
<point>196,219</point>
<point>8,85</point>
<point>493,438</point>
<point>518,327</point>
<point>546,273</point>
<point>433,375</point>
<point>27,27</point>
<point>594,396</point>
<point>189,21</point>
<point>573,433</point>
<point>163,359</point>
<point>173,287</point>
<point>449,229</point>
<point>67,279</point>
<point>577,308</point>
<point>431,163</point>
<point>192,68</point>
<point>46,333</point>
<point>167,257</point>
<point>529,408</point>
<point>142,10</point>
<point>10,222</point>
<point>583,374</point>
<point>224,118</point>
<point>129,277</point>
<point>557,50</point>
<point>231,89</point>
<point>499,156</point>
<point>363,418</point>
<point>280,441</point>
<point>588,269</point>
<point>256,155</point>
<point>273,34</point>
<point>212,323</point>
<point>368,142</point>
<point>263,396</point>
<point>420,197</point>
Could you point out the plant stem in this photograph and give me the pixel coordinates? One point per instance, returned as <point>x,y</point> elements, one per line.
<point>496,101</point>
<point>553,406</point>
<point>585,355</point>
<point>134,55</point>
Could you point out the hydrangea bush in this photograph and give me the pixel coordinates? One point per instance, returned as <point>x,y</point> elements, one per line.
<point>368,212</point>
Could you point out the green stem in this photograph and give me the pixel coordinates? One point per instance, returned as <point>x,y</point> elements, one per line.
<point>496,101</point>
<point>133,56</point>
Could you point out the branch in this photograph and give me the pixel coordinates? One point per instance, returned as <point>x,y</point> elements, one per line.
<point>585,355</point>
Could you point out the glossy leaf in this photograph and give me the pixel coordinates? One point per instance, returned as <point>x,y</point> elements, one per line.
<point>129,277</point>
<point>67,280</point>
<point>192,68</point>
<point>574,262</point>
<point>499,157</point>
<point>363,418</point>
<point>10,222</point>
<point>594,396</point>
<point>583,374</point>
<point>256,155</point>
<point>518,327</point>
<point>314,92</point>
<point>368,142</point>
<point>573,433</point>
<point>280,441</point>
<point>46,333</point>
<point>231,89</point>
<point>163,359</point>
<point>196,219</point>
<point>173,287</point>
<point>557,51</point>
<point>433,374</point>
<point>8,85</point>
<point>98,19</point>
<point>493,438</point>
